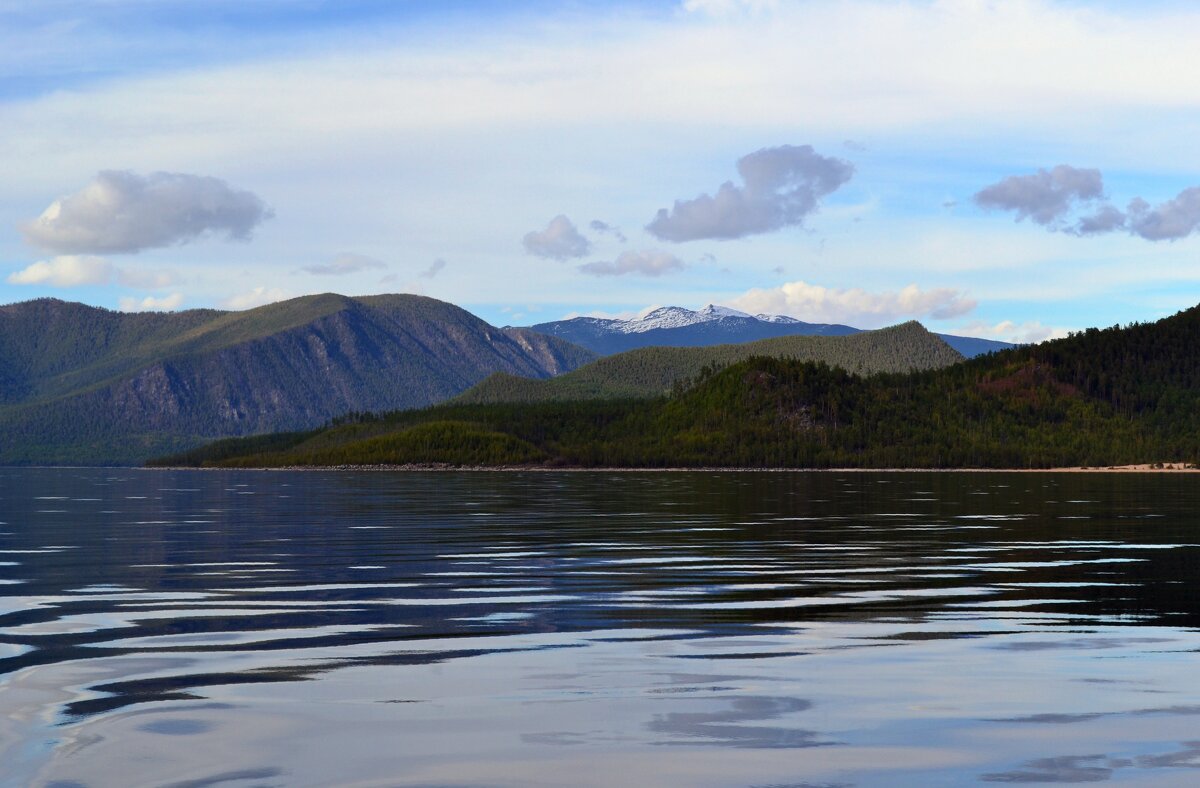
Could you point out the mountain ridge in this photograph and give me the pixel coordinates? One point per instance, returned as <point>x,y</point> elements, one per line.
<point>674,326</point>
<point>85,384</point>
<point>654,371</point>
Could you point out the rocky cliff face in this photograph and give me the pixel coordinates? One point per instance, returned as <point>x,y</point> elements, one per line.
<point>284,367</point>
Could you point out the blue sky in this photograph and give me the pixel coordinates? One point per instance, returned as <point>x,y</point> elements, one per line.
<point>183,154</point>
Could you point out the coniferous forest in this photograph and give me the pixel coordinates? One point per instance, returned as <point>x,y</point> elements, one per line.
<point>1101,397</point>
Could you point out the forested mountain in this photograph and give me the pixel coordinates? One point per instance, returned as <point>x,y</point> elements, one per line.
<point>1100,397</point>
<point>673,326</point>
<point>652,372</point>
<point>87,385</point>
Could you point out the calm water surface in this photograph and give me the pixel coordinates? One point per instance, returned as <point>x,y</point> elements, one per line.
<point>636,629</point>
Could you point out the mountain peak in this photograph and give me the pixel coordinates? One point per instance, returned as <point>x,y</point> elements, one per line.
<point>712,311</point>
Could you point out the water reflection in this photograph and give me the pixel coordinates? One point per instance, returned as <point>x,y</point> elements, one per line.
<point>503,629</point>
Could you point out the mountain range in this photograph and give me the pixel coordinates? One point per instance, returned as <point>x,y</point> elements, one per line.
<point>85,385</point>
<point>673,326</point>
<point>1116,396</point>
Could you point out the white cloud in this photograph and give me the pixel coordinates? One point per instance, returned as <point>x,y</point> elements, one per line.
<point>559,241</point>
<point>855,307</point>
<point>345,263</point>
<point>781,186</point>
<point>1008,331</point>
<point>645,263</point>
<point>259,296</point>
<point>151,304</point>
<point>72,270</point>
<point>66,271</point>
<point>121,211</point>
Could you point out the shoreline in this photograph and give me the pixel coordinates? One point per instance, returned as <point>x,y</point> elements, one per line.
<point>1166,467</point>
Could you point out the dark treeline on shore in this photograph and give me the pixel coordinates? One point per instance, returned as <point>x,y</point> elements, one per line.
<point>1101,397</point>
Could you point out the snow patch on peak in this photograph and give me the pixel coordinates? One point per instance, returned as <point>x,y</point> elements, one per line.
<point>663,317</point>
<point>712,312</point>
<point>678,317</point>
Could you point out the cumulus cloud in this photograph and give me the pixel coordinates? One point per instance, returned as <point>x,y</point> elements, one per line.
<point>80,270</point>
<point>604,228</point>
<point>345,263</point>
<point>121,211</point>
<point>66,271</point>
<point>647,263</point>
<point>151,304</point>
<point>1049,197</point>
<point>259,296</point>
<point>1045,196</point>
<point>1170,221</point>
<point>854,306</point>
<point>1105,220</point>
<point>781,186</point>
<point>559,241</point>
<point>433,270</point>
<point>1009,331</point>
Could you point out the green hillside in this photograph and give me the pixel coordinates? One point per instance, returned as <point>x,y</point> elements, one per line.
<point>1100,397</point>
<point>91,386</point>
<point>654,371</point>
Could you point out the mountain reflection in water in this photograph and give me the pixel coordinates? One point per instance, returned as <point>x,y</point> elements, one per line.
<point>690,629</point>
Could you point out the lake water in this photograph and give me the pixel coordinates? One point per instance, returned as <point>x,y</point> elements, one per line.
<point>610,629</point>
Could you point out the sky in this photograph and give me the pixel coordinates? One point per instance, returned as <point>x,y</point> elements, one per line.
<point>1012,170</point>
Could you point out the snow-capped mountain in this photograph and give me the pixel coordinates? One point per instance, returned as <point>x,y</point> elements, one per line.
<point>679,327</point>
<point>674,317</point>
<point>777,319</point>
<point>674,326</point>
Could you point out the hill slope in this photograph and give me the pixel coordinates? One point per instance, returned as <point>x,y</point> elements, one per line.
<point>1102,397</point>
<point>652,372</point>
<point>86,385</point>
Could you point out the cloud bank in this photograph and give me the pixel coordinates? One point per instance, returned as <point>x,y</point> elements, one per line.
<point>123,212</point>
<point>647,263</point>
<point>780,187</point>
<point>854,306</point>
<point>1051,197</point>
<point>559,241</point>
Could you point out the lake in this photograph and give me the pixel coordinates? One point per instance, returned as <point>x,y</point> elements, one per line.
<point>597,629</point>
